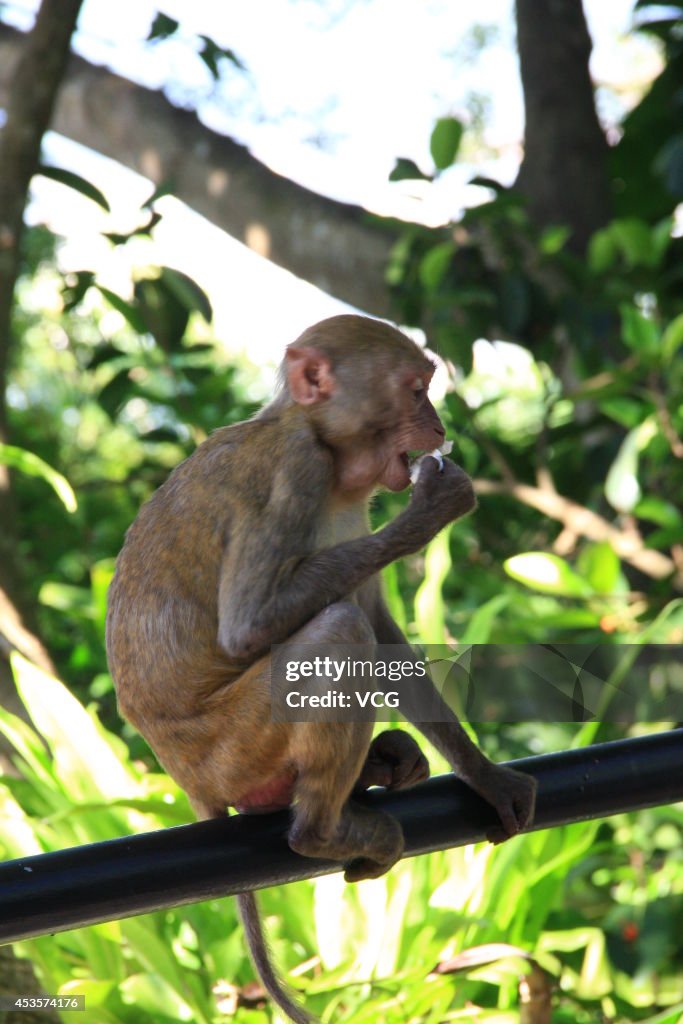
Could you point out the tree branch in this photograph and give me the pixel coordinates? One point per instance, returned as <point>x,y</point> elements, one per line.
<point>580,520</point>
<point>339,247</point>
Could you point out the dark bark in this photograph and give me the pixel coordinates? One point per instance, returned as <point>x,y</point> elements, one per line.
<point>31,96</point>
<point>564,173</point>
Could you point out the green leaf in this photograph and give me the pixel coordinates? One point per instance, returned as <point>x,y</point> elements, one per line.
<point>672,338</point>
<point>626,411</point>
<point>161,435</point>
<point>38,767</point>
<point>634,239</point>
<point>85,763</point>
<point>622,488</point>
<point>211,54</point>
<point>393,597</point>
<point>95,991</point>
<point>435,264</point>
<point>600,566</point>
<point>166,188</point>
<point>141,231</point>
<point>674,1015</point>
<point>547,573</point>
<point>101,575</point>
<point>662,237</point>
<point>154,953</point>
<point>188,292</point>
<point>405,169</point>
<point>657,510</point>
<point>483,182</point>
<point>602,251</point>
<point>151,994</point>
<point>125,308</point>
<point>429,610</point>
<point>162,27</point>
<point>103,353</point>
<point>165,315</point>
<point>116,392</point>
<point>554,239</point>
<point>445,141</point>
<point>32,465</point>
<point>74,292</point>
<point>66,598</point>
<point>478,630</point>
<point>640,333</point>
<point>75,181</point>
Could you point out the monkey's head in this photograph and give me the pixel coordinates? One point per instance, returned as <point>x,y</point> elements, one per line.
<point>363,385</point>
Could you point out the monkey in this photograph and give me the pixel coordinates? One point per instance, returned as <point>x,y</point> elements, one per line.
<point>261,537</point>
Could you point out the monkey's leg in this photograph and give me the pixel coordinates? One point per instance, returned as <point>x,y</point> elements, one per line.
<point>394,761</point>
<point>329,757</point>
<point>368,841</point>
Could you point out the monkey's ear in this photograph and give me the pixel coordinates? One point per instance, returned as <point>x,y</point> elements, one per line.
<point>309,374</point>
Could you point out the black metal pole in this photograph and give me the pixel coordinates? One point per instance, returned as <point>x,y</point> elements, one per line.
<point>122,877</point>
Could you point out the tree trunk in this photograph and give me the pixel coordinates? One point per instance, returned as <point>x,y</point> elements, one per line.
<point>31,93</point>
<point>29,103</point>
<point>564,172</point>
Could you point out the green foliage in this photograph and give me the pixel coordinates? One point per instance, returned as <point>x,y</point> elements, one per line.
<point>565,403</point>
<point>75,181</point>
<point>445,141</point>
<point>565,400</point>
<point>210,53</point>
<point>571,899</point>
<point>407,169</point>
<point>108,392</point>
<point>27,462</point>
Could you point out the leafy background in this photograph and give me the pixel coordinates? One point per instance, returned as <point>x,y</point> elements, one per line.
<point>567,413</point>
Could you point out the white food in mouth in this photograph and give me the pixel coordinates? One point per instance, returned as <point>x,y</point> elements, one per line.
<point>445,449</point>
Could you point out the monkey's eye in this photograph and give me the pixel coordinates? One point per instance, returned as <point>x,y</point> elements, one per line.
<point>418,390</point>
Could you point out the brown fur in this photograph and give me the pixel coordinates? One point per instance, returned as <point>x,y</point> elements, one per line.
<point>261,537</point>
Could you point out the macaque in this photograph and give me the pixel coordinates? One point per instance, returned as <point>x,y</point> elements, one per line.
<point>261,537</point>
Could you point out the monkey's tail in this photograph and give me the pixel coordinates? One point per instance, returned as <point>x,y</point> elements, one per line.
<point>260,954</point>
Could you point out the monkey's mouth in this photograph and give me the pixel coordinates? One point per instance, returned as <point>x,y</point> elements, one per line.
<point>438,453</point>
<point>413,457</point>
<point>396,473</point>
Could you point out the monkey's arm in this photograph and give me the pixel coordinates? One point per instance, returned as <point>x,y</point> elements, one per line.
<point>511,793</point>
<point>272,582</point>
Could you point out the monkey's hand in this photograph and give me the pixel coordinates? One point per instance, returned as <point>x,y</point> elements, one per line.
<point>438,454</point>
<point>513,794</point>
<point>439,496</point>
<point>394,761</point>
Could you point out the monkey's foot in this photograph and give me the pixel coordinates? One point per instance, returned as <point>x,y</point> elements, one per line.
<point>394,761</point>
<point>513,794</point>
<point>368,842</point>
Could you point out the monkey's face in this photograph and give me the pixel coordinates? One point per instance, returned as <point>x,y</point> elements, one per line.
<point>416,429</point>
<point>363,386</point>
<point>373,432</point>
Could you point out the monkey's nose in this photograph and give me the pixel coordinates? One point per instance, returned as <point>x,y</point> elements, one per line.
<point>440,431</point>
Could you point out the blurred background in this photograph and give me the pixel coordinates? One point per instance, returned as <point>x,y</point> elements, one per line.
<point>179,198</point>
